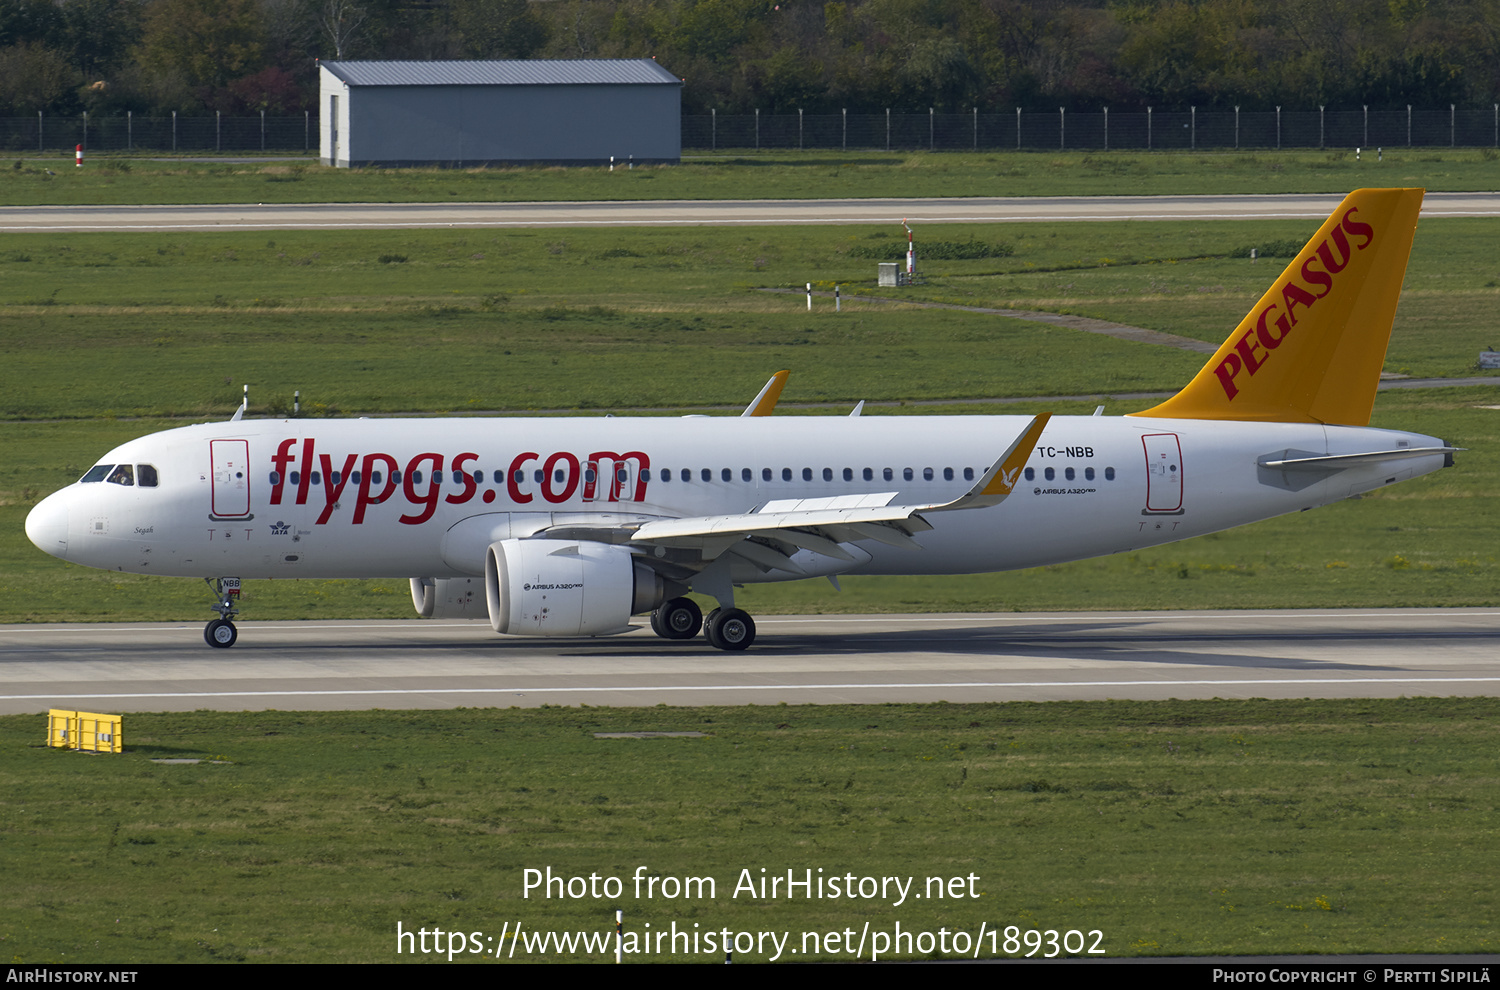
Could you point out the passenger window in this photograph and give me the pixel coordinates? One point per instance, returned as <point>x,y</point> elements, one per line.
<point>1088,473</point>
<point>869,475</point>
<point>645,474</point>
<point>968,474</point>
<point>947,474</point>
<point>807,474</point>
<point>707,474</point>
<point>1031,474</point>
<point>927,474</point>
<point>396,477</point>
<point>687,474</point>
<point>765,474</point>
<point>1049,474</point>
<point>666,474</point>
<point>848,474</point>
<point>786,474</point>
<point>1068,473</point>
<point>296,477</point>
<point>317,477</point>
<point>588,476</point>
<point>907,474</point>
<point>499,478</point>
<point>1109,474</point>
<point>828,474</point>
<point>275,479</point>
<point>123,474</point>
<point>726,475</point>
<point>145,474</point>
<point>745,474</point>
<point>887,474</point>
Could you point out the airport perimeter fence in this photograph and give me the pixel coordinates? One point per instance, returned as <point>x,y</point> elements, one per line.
<point>127,132</point>
<point>1153,130</point>
<point>1022,130</point>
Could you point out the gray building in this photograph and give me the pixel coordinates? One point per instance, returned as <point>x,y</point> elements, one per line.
<point>572,112</point>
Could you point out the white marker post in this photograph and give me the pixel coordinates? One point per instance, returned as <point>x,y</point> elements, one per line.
<point>911,250</point>
<point>619,934</point>
<point>838,303</point>
<point>809,297</point>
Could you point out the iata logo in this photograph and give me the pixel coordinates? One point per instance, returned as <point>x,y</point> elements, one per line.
<point>1254,347</point>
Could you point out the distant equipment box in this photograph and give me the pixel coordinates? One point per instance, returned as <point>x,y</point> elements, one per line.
<point>86,731</point>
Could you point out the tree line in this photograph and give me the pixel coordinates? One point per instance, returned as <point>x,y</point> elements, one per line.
<point>153,57</point>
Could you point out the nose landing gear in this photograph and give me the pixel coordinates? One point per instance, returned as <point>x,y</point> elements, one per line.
<point>220,633</point>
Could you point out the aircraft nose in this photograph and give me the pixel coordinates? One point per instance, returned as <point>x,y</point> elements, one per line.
<point>47,525</point>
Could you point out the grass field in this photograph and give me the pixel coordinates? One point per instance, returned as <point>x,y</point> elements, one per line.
<point>1171,828</point>
<point>750,175</point>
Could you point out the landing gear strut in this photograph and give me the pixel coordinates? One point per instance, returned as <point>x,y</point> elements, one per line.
<point>220,633</point>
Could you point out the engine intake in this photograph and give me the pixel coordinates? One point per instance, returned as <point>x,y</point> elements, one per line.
<point>566,587</point>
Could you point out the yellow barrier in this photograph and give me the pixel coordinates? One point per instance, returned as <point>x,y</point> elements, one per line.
<point>85,731</point>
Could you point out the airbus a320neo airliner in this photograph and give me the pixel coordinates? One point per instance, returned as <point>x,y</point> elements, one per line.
<point>568,527</point>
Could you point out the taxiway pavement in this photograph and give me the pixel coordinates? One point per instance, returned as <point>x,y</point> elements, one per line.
<point>1355,653</point>
<point>386,216</point>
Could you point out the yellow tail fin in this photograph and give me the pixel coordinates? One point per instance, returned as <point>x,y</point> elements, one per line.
<point>1312,348</point>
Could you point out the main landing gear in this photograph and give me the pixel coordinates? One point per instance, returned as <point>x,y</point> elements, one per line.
<point>220,633</point>
<point>725,628</point>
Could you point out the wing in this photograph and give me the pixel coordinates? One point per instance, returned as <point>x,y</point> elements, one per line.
<point>822,524</point>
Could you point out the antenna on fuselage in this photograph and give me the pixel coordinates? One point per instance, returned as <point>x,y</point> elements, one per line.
<point>244,404</point>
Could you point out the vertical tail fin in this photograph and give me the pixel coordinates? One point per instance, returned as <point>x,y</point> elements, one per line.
<point>1312,348</point>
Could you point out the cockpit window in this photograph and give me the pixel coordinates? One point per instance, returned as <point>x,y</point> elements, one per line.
<point>97,473</point>
<point>123,474</point>
<point>146,475</point>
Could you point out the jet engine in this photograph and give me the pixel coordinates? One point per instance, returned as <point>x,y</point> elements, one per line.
<point>449,598</point>
<point>567,587</point>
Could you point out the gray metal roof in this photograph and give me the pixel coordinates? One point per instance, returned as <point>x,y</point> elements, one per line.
<point>528,72</point>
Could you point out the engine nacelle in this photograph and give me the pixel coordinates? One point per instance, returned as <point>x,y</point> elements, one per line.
<point>566,587</point>
<point>449,598</point>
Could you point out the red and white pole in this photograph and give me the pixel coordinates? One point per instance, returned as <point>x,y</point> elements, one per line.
<point>911,250</point>
<point>78,156</point>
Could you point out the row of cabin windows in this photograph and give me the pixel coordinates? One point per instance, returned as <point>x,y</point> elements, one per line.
<point>622,474</point>
<point>685,474</point>
<point>1069,474</point>
<point>128,475</point>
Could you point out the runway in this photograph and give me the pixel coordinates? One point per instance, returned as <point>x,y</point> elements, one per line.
<point>1356,653</point>
<point>718,213</point>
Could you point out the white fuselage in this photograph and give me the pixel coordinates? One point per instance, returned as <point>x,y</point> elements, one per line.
<point>317,498</point>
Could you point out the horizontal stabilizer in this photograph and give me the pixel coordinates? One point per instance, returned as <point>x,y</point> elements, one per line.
<point>1337,462</point>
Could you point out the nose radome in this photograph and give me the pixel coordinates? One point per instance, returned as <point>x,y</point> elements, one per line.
<point>47,525</point>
